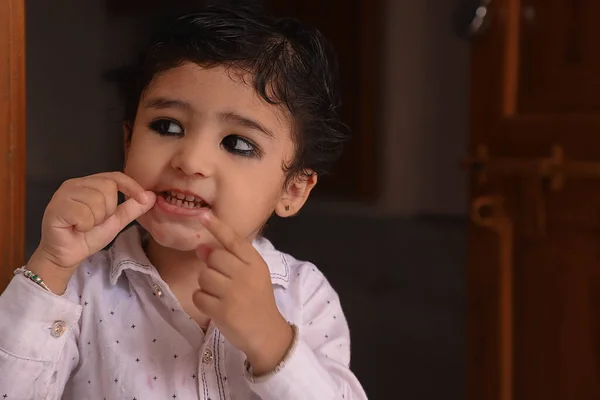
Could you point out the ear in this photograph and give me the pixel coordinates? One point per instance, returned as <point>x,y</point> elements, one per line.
<point>295,194</point>
<point>126,140</point>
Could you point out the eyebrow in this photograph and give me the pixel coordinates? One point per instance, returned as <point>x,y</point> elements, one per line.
<point>161,103</point>
<point>246,122</point>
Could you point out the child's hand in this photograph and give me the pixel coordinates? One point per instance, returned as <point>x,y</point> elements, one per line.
<point>237,294</point>
<point>83,217</point>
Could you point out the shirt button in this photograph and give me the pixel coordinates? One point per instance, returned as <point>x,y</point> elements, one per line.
<point>207,357</point>
<point>157,290</point>
<point>58,328</point>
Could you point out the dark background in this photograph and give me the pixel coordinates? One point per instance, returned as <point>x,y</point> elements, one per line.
<point>388,228</point>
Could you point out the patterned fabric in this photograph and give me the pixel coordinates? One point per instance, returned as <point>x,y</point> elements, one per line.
<point>125,336</point>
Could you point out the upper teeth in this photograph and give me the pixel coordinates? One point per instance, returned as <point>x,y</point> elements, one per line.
<point>182,196</point>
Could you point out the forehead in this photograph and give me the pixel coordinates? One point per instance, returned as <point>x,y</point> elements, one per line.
<point>216,89</point>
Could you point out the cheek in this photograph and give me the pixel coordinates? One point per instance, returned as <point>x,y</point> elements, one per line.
<point>134,164</point>
<point>143,161</point>
<point>258,196</point>
<point>139,168</point>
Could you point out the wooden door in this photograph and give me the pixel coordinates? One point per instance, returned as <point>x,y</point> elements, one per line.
<point>12,137</point>
<point>534,258</point>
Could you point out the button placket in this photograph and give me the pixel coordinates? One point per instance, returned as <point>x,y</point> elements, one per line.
<point>212,366</point>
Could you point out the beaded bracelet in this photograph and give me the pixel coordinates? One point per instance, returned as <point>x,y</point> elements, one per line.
<point>248,368</point>
<point>33,277</point>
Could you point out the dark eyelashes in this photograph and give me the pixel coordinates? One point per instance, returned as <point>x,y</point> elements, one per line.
<point>170,128</point>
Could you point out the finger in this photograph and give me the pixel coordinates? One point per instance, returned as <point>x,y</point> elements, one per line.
<point>130,210</point>
<point>94,200</point>
<point>77,215</point>
<point>218,259</point>
<point>213,282</point>
<point>107,187</point>
<point>127,185</point>
<point>126,213</point>
<point>206,303</point>
<point>230,240</point>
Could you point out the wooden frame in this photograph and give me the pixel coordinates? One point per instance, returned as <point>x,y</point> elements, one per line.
<point>12,137</point>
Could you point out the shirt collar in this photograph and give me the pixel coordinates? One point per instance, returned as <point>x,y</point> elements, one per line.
<point>127,253</point>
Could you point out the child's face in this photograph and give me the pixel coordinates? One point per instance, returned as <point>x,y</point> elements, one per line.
<point>204,133</point>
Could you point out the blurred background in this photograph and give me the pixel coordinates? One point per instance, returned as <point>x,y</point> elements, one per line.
<point>387,228</point>
<point>460,226</point>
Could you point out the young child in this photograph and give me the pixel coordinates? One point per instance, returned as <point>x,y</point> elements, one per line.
<point>231,117</point>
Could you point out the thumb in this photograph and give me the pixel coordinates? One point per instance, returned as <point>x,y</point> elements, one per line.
<point>126,212</point>
<point>131,209</point>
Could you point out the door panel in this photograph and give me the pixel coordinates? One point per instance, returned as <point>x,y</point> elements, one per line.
<point>12,137</point>
<point>558,60</point>
<point>535,143</point>
<point>557,351</point>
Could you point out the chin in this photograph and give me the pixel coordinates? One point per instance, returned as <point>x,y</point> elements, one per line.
<point>175,235</point>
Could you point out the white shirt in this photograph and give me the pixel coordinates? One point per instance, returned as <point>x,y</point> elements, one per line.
<point>119,333</point>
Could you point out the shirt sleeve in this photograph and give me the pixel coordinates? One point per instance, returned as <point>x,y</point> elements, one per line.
<point>319,367</point>
<point>38,341</point>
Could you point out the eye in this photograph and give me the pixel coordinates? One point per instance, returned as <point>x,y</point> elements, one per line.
<point>238,145</point>
<point>167,127</point>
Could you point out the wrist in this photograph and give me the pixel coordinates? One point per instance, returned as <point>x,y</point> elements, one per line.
<point>267,353</point>
<point>54,276</point>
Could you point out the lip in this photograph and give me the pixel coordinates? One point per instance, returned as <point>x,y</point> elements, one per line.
<point>166,207</point>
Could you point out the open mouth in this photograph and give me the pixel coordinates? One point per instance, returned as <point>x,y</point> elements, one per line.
<point>184,201</point>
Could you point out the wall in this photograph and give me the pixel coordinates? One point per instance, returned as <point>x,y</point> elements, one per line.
<point>425,115</point>
<point>69,124</point>
<point>73,126</point>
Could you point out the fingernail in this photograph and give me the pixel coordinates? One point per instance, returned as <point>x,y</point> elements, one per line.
<point>148,196</point>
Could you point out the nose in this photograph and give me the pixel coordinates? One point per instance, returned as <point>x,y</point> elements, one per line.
<point>194,156</point>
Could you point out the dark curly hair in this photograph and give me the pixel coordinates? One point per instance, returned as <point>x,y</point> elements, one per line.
<point>292,65</point>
